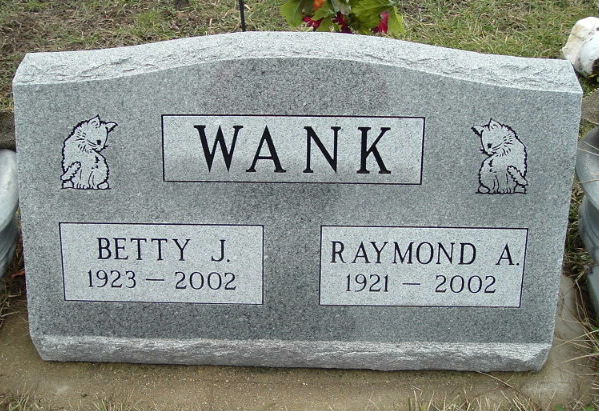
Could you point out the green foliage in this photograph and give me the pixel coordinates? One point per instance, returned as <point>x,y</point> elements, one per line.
<point>348,16</point>
<point>368,12</point>
<point>293,11</point>
<point>323,12</point>
<point>396,23</point>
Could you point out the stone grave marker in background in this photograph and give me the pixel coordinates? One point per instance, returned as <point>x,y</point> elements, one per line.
<point>295,199</point>
<point>9,197</point>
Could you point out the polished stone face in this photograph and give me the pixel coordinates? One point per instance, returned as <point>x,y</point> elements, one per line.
<point>295,199</point>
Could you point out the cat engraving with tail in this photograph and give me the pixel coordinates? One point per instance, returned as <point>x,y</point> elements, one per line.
<point>504,169</point>
<point>82,164</point>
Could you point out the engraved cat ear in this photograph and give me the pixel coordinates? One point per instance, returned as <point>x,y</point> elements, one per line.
<point>494,124</point>
<point>478,130</point>
<point>95,121</point>
<point>110,126</point>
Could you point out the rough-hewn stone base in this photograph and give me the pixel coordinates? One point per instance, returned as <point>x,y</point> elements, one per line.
<point>277,353</point>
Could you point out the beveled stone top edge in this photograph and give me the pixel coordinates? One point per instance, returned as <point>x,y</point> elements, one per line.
<point>101,64</point>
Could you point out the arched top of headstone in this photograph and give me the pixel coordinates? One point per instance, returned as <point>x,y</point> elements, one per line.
<point>509,71</point>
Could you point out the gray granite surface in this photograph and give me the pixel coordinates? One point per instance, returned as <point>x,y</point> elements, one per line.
<point>429,237</point>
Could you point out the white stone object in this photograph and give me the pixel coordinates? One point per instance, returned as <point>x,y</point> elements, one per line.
<point>588,55</point>
<point>587,170</point>
<point>8,207</point>
<point>582,47</point>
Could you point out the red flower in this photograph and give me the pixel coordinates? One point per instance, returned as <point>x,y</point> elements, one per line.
<point>383,26</point>
<point>341,20</point>
<point>312,23</point>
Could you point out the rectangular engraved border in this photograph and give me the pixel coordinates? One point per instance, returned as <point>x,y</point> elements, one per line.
<point>421,306</point>
<point>154,224</point>
<point>288,115</point>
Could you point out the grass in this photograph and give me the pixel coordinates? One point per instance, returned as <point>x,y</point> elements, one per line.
<point>23,401</point>
<point>113,405</point>
<point>29,26</point>
<point>535,28</point>
<point>14,286</point>
<point>18,401</point>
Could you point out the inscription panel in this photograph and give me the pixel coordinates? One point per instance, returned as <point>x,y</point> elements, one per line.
<point>306,149</point>
<point>422,266</point>
<point>162,262</point>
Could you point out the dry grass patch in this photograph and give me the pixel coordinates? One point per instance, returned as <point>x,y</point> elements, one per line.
<point>18,402</point>
<point>12,287</point>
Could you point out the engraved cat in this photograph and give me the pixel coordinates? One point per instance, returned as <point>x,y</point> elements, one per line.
<point>82,164</point>
<point>504,170</point>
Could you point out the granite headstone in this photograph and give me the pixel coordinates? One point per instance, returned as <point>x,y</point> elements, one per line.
<point>295,199</point>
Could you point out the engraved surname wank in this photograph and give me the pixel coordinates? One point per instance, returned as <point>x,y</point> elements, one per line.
<point>306,149</point>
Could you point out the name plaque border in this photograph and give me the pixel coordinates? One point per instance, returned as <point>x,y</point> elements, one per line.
<point>422,306</point>
<point>155,224</point>
<point>290,115</point>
